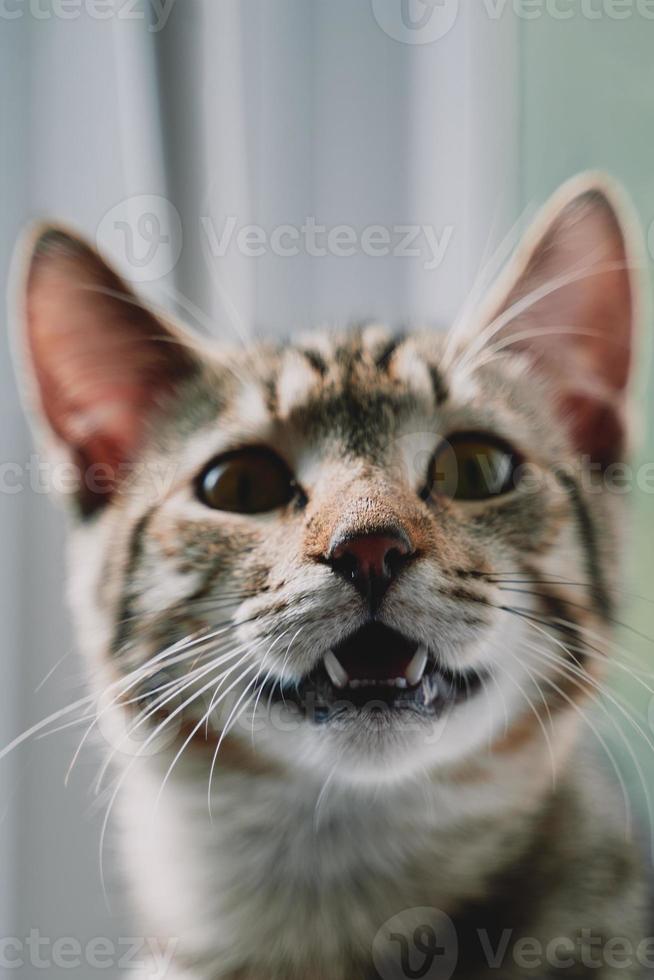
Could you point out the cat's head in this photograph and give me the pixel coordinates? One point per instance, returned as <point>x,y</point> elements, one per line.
<point>379,552</point>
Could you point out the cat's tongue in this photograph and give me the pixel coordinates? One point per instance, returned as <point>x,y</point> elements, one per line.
<point>378,654</point>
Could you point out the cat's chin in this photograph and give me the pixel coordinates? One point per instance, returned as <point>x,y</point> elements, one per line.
<point>377,744</point>
<point>367,754</point>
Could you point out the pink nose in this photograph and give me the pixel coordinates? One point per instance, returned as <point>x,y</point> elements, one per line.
<point>370,561</point>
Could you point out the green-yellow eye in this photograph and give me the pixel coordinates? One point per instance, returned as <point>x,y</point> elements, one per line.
<point>472,467</point>
<point>249,481</point>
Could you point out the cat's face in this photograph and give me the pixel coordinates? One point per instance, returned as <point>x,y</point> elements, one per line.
<point>349,550</point>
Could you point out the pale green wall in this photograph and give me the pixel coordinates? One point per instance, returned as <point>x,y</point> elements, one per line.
<point>587,101</point>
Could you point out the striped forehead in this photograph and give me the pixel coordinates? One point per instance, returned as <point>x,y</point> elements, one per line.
<point>357,389</point>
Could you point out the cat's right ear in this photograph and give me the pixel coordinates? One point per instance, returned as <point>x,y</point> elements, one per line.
<point>569,304</point>
<point>96,365</point>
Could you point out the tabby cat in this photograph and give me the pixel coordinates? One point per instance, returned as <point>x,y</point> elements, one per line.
<point>346,603</point>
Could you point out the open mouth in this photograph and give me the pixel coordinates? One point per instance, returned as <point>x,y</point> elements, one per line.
<point>377,667</point>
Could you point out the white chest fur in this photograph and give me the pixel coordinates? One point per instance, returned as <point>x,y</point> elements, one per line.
<point>282,874</point>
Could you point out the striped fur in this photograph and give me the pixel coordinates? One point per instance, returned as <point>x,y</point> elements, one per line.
<point>319,835</point>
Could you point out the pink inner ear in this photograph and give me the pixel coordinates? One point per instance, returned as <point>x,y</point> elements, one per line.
<point>580,325</point>
<point>102,362</point>
<point>596,426</point>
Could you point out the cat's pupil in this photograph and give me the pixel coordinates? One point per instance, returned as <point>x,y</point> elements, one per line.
<point>473,475</point>
<point>473,467</point>
<point>245,488</point>
<point>249,481</point>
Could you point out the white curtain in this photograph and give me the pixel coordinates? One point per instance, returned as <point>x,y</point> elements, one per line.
<point>271,113</point>
<point>280,112</point>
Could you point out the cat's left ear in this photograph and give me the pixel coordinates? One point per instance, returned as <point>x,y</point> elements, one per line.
<point>569,302</point>
<point>96,364</point>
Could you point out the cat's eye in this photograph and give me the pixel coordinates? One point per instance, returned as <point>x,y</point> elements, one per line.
<point>472,467</point>
<point>249,481</point>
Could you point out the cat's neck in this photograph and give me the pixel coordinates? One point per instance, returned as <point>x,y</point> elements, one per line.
<point>271,837</point>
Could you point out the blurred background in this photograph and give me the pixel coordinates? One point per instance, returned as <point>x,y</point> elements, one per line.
<point>266,166</point>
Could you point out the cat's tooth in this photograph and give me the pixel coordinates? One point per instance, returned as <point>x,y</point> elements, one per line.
<point>334,668</point>
<point>417,664</point>
<point>401,682</point>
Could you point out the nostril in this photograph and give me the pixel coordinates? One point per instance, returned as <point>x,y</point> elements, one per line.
<point>346,564</point>
<point>395,558</point>
<point>370,561</point>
